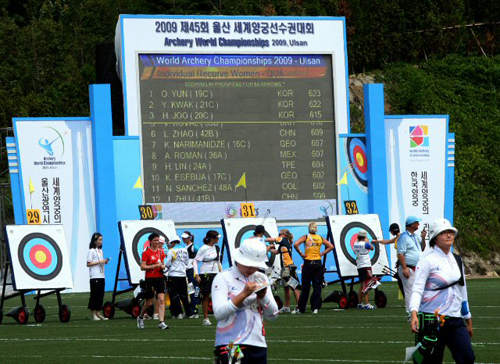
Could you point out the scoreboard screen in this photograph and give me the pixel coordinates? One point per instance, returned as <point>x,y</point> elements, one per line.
<point>237,127</point>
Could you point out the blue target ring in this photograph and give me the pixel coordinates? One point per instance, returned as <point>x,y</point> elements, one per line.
<point>356,153</point>
<point>348,237</point>
<point>40,256</point>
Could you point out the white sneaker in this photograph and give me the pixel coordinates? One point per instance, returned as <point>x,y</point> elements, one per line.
<point>368,307</point>
<point>285,309</point>
<point>100,316</point>
<point>180,316</point>
<point>315,312</point>
<point>293,312</point>
<point>206,322</point>
<point>147,317</point>
<point>140,323</point>
<point>94,317</point>
<point>163,326</point>
<point>156,316</point>
<point>195,316</point>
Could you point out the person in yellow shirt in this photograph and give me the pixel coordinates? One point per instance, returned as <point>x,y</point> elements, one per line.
<point>313,268</point>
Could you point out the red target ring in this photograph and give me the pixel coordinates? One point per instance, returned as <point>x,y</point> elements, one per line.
<point>40,256</point>
<point>360,159</point>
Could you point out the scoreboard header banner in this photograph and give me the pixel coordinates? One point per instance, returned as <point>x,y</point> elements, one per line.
<point>142,34</point>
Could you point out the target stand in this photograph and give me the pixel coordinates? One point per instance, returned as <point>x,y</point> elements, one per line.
<point>134,239</point>
<point>343,233</point>
<point>38,261</point>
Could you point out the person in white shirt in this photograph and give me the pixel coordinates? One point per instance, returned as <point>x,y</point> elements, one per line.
<point>241,302</point>
<point>209,257</point>
<point>440,288</point>
<point>177,262</point>
<point>362,249</point>
<point>96,263</point>
<point>193,289</point>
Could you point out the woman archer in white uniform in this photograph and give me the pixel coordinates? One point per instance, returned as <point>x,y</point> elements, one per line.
<point>440,289</point>
<point>241,301</point>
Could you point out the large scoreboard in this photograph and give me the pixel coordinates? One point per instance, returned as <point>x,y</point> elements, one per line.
<point>230,110</point>
<point>207,120</point>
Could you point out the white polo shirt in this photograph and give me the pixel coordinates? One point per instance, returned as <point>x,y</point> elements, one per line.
<point>93,256</point>
<point>242,325</point>
<point>436,269</point>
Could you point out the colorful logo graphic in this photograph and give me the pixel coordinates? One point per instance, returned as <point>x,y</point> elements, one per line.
<point>419,136</point>
<point>231,211</point>
<point>49,144</point>
<point>157,212</point>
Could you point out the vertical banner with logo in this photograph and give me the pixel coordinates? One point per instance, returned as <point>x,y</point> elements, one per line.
<point>57,179</point>
<point>416,167</point>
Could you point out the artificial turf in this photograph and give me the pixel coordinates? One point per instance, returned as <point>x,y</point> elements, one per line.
<point>332,336</point>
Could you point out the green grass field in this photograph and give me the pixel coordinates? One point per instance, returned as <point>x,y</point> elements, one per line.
<point>333,336</point>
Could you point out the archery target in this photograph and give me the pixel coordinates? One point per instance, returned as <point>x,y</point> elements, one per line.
<point>239,229</point>
<point>39,257</point>
<point>134,237</point>
<point>356,154</point>
<point>344,229</point>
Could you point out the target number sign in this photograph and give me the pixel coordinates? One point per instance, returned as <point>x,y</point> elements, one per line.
<point>146,212</point>
<point>351,207</point>
<point>247,209</point>
<point>33,217</point>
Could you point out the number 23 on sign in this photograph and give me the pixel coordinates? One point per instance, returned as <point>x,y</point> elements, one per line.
<point>247,209</point>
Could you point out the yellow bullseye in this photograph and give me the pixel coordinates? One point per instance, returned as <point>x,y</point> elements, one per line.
<point>40,256</point>
<point>360,159</point>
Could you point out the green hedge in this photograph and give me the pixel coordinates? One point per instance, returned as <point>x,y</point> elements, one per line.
<point>468,90</point>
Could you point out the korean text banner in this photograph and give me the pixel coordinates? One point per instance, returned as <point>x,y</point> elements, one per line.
<point>416,165</point>
<point>57,179</point>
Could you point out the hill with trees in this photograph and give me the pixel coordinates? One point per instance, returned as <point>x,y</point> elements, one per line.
<point>435,57</point>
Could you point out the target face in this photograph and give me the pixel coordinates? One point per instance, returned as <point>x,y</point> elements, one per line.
<point>39,257</point>
<point>344,229</point>
<point>141,242</point>
<point>356,153</point>
<point>134,238</point>
<point>349,236</point>
<point>239,229</point>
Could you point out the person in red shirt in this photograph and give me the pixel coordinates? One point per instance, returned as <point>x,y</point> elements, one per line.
<point>153,263</point>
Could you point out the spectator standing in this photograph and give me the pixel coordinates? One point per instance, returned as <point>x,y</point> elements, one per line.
<point>209,257</point>
<point>96,263</point>
<point>177,262</point>
<point>409,251</point>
